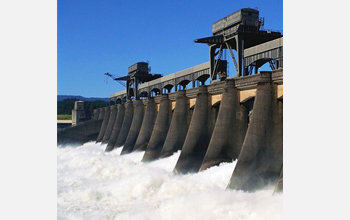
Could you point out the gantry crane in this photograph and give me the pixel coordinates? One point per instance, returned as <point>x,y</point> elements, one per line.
<point>116,79</point>
<point>137,74</point>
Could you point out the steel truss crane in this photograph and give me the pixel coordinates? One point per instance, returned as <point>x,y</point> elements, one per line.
<point>116,79</point>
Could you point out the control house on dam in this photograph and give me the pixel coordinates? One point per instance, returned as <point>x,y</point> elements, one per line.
<point>211,116</point>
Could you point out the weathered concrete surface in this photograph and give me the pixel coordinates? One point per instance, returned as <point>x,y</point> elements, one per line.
<point>111,121</point>
<point>134,128</point>
<point>160,130</point>
<point>79,134</point>
<point>260,160</point>
<point>279,184</point>
<point>116,127</point>
<point>128,115</point>
<point>96,112</point>
<point>107,112</point>
<point>198,136</point>
<point>261,157</point>
<point>225,143</point>
<point>179,126</point>
<point>101,113</point>
<point>147,126</point>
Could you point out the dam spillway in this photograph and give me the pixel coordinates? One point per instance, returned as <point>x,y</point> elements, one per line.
<point>208,136</point>
<point>232,118</point>
<point>93,184</point>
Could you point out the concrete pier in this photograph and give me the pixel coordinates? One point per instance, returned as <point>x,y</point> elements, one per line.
<point>96,112</point>
<point>178,127</point>
<point>198,136</point>
<point>160,130</point>
<point>124,131</point>
<point>101,114</point>
<point>134,128</point>
<point>225,145</point>
<point>107,112</point>
<point>279,184</point>
<point>116,127</point>
<point>147,126</point>
<point>111,120</point>
<point>260,159</point>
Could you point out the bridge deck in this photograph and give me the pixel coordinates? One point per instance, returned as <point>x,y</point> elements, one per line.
<point>190,74</point>
<point>271,49</point>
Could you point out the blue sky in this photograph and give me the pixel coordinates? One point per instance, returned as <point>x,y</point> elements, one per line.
<point>98,36</point>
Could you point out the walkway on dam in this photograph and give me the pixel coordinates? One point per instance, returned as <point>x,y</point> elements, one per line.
<point>197,75</point>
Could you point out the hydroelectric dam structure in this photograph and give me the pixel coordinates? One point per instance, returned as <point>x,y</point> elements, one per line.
<point>231,117</point>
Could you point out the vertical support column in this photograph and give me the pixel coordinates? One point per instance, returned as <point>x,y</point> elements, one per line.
<point>96,113</point>
<point>116,127</point>
<point>160,130</point>
<point>276,151</point>
<point>136,88</point>
<point>134,128</point>
<point>241,123</point>
<point>212,49</point>
<point>123,134</point>
<point>240,49</point>
<point>178,127</point>
<point>224,143</point>
<point>261,158</point>
<point>279,184</point>
<point>128,90</point>
<point>101,115</point>
<point>111,121</point>
<point>147,125</point>
<point>198,136</point>
<point>104,124</point>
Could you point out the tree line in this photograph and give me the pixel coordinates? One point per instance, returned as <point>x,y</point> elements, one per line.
<point>66,106</point>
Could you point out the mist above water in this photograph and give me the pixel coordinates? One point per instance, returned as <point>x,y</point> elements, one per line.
<point>93,184</point>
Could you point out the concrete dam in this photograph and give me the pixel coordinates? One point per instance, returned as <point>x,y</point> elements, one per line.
<point>231,118</point>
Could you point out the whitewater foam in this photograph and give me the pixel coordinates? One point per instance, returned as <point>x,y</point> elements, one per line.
<point>93,184</point>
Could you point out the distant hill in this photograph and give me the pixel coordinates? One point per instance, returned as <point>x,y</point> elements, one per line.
<point>91,99</point>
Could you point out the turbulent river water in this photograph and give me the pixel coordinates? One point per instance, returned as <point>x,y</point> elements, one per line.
<point>93,184</point>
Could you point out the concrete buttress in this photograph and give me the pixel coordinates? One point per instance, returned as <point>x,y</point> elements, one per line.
<point>160,130</point>
<point>101,114</point>
<point>279,184</point>
<point>261,157</point>
<point>178,127</point>
<point>111,122</point>
<point>198,136</point>
<point>116,127</point>
<point>134,128</point>
<point>96,113</point>
<point>123,134</point>
<point>225,144</point>
<point>147,125</point>
<point>107,112</point>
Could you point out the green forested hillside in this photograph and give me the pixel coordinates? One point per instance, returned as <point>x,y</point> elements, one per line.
<point>66,106</point>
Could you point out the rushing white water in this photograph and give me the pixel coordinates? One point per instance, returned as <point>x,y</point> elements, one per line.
<point>93,184</point>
